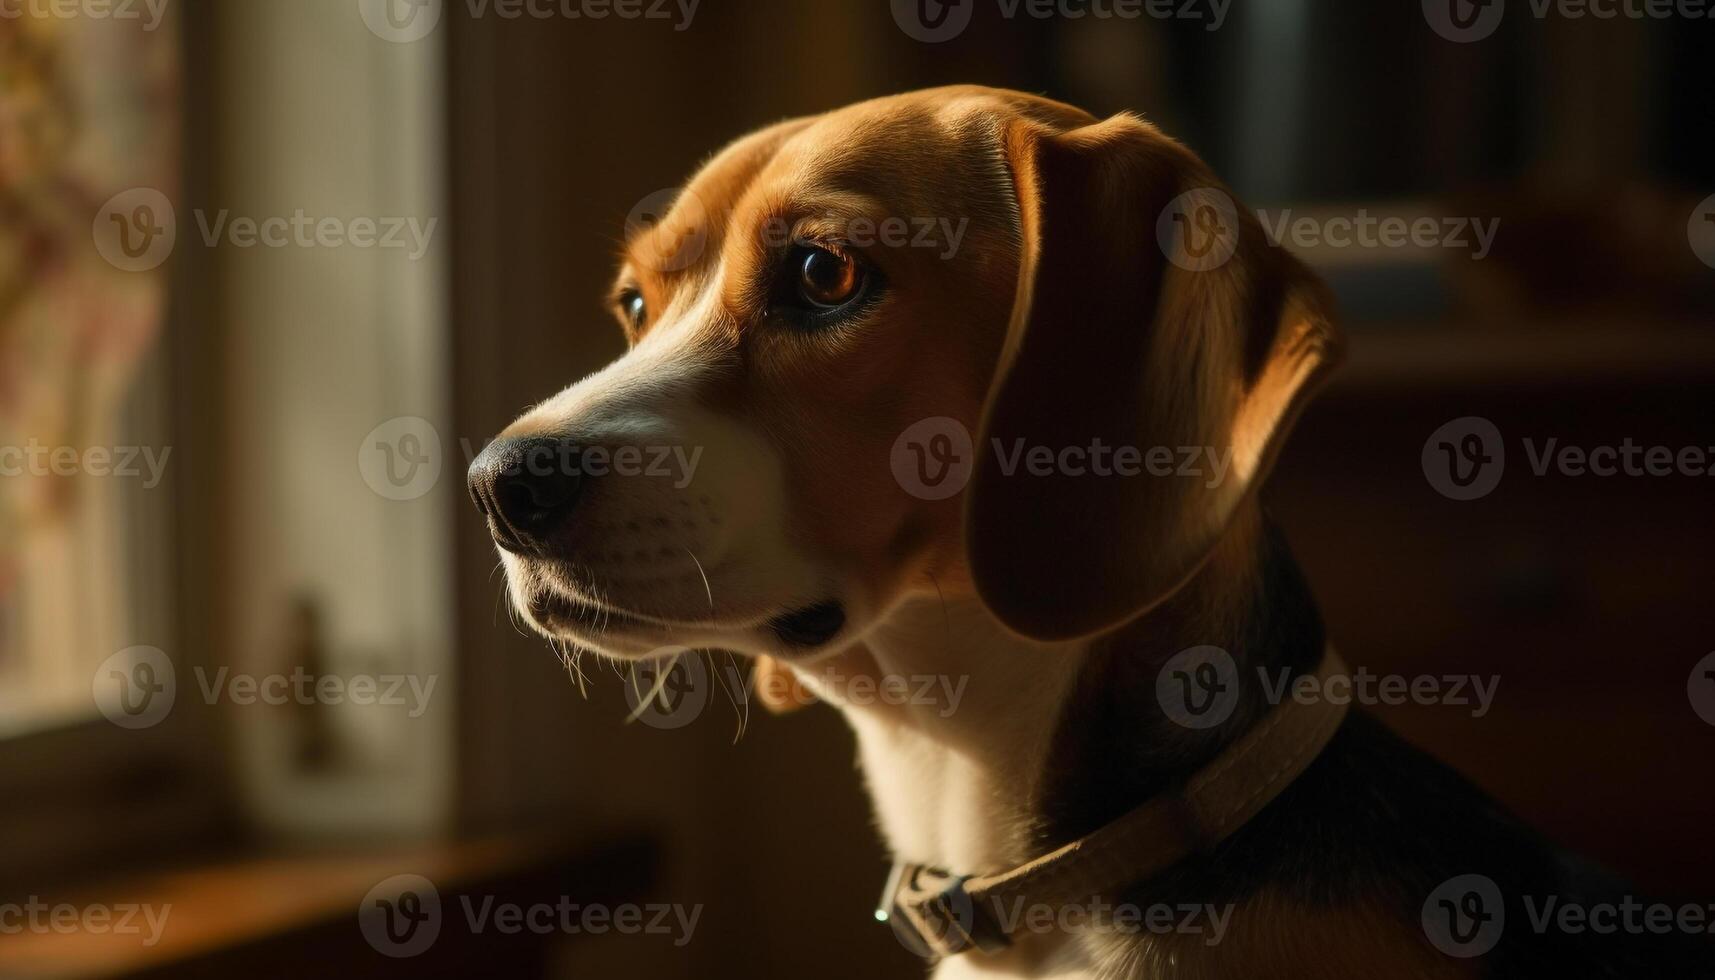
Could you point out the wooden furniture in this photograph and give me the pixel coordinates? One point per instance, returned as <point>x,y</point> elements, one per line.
<point>297,915</point>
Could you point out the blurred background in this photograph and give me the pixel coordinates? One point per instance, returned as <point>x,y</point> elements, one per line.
<point>270,274</point>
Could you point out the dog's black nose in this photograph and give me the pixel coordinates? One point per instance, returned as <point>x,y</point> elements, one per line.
<point>526,487</point>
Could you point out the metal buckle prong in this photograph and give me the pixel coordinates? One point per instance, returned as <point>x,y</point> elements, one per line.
<point>890,892</point>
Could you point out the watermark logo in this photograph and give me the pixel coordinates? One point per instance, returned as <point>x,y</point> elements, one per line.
<point>1464,21</point>
<point>933,458</point>
<point>120,462</point>
<point>933,21</point>
<point>1205,921</point>
<point>1198,688</point>
<point>136,229</point>
<point>669,689</point>
<point>135,688</point>
<point>1700,688</point>
<point>400,21</point>
<point>667,692</point>
<point>33,915</point>
<point>404,916</point>
<point>1630,916</point>
<point>1464,459</point>
<point>681,12</point>
<point>150,12</point>
<point>546,458</point>
<point>401,916</point>
<point>411,692</point>
<point>1365,230</point>
<point>1199,229</point>
<point>401,459</point>
<point>678,246</point>
<point>1208,464</point>
<point>405,21</point>
<point>301,230</point>
<point>954,918</point>
<point>1464,916</point>
<point>1701,231</point>
<point>941,235</point>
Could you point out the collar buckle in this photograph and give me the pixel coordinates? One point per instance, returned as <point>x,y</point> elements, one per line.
<point>934,915</point>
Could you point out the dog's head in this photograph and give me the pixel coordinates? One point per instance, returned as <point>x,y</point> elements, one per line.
<point>862,345</point>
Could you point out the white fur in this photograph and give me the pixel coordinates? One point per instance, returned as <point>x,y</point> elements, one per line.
<point>954,790</point>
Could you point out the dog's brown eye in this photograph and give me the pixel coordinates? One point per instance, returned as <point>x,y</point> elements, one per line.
<point>828,280</point>
<point>631,305</point>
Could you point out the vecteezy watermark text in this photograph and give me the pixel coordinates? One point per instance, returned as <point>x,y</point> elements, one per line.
<point>1021,917</point>
<point>409,691</point>
<point>1364,230</point>
<point>943,235</point>
<point>677,463</point>
<point>402,459</point>
<point>1199,688</point>
<point>1464,21</point>
<point>1466,916</point>
<point>1199,230</point>
<point>137,687</point>
<point>301,230</point>
<point>63,919</point>
<point>934,21</point>
<point>935,457</point>
<point>1207,463</point>
<point>403,916</point>
<point>672,687</point>
<point>123,462</point>
<point>404,21</point>
<point>150,12</point>
<point>137,230</point>
<point>1465,458</point>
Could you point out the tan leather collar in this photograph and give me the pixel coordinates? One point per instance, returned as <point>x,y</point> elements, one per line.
<point>940,914</point>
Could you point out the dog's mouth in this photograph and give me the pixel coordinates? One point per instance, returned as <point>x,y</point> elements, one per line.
<point>561,613</point>
<point>800,630</point>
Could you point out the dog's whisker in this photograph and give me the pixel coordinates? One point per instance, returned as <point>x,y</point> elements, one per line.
<point>740,699</point>
<point>706,589</point>
<point>512,614</point>
<point>569,654</point>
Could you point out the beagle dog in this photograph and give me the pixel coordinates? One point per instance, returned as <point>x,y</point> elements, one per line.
<point>803,370</point>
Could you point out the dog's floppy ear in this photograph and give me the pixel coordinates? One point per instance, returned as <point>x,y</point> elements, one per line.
<point>1153,319</point>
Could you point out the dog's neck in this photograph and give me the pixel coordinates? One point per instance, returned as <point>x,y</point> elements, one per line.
<point>1008,747</point>
<point>953,772</point>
